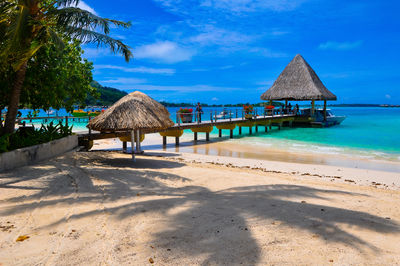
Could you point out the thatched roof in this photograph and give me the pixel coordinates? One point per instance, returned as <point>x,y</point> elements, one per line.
<point>133,111</point>
<point>299,82</point>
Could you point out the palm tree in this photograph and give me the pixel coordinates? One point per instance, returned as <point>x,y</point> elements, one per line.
<point>28,25</point>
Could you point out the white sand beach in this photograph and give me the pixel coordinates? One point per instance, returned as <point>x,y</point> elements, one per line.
<point>169,208</point>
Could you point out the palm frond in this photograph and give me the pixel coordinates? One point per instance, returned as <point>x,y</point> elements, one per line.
<point>88,36</point>
<point>79,18</point>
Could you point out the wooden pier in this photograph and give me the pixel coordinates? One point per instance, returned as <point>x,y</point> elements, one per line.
<point>176,131</point>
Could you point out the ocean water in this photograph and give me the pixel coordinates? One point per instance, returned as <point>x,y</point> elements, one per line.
<point>366,132</point>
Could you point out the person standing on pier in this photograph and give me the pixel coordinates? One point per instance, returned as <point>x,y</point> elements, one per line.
<point>199,112</point>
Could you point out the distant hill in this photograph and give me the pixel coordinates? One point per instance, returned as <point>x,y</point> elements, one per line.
<point>106,96</point>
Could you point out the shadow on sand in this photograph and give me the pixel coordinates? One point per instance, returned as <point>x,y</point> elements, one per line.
<point>209,220</point>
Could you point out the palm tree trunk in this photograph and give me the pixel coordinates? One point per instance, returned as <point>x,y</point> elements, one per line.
<point>14,99</point>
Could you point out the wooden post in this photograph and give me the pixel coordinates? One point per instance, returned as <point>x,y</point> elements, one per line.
<point>207,136</point>
<point>90,131</point>
<point>138,141</point>
<point>240,130</point>
<point>325,110</point>
<point>176,141</point>
<point>266,128</point>
<point>250,130</point>
<point>66,120</point>
<point>195,136</point>
<point>164,141</point>
<point>312,107</point>
<point>133,145</point>
<point>256,128</point>
<point>220,133</point>
<point>231,134</point>
<point>124,146</point>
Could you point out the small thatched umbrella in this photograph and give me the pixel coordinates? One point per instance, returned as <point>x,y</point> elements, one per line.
<point>298,82</point>
<point>133,112</point>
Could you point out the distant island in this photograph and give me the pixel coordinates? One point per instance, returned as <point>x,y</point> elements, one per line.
<point>106,96</point>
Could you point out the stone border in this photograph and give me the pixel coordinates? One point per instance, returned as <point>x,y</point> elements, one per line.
<point>36,153</point>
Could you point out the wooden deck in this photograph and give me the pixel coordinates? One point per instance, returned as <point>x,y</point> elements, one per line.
<point>274,119</point>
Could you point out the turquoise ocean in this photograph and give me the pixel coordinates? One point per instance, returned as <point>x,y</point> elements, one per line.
<point>366,132</point>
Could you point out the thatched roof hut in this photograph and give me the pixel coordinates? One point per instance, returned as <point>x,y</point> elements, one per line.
<point>298,82</point>
<point>133,111</point>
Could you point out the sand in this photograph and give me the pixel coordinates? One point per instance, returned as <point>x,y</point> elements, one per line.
<point>87,208</point>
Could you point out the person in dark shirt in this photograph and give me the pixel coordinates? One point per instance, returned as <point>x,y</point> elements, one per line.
<point>199,112</point>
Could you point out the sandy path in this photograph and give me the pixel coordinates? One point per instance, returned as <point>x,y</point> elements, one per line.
<point>100,208</point>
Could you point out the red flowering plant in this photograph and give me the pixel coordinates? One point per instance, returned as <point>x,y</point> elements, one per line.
<point>269,107</point>
<point>185,110</point>
<point>248,109</point>
<point>186,114</point>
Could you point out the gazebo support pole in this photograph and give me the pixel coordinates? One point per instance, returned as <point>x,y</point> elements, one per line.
<point>312,107</point>
<point>138,141</point>
<point>133,145</point>
<point>325,110</point>
<point>138,145</point>
<point>124,146</point>
<point>164,141</point>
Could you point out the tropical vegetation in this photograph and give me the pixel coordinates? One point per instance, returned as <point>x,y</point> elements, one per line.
<point>37,31</point>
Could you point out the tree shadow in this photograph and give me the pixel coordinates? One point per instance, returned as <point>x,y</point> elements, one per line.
<point>213,224</point>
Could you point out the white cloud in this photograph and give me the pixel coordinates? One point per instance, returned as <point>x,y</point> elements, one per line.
<point>239,6</point>
<point>215,99</point>
<point>84,6</point>
<point>211,35</point>
<point>163,71</point>
<point>124,81</point>
<point>232,6</point>
<point>166,52</point>
<point>179,88</point>
<point>267,52</point>
<point>340,45</point>
<point>388,96</point>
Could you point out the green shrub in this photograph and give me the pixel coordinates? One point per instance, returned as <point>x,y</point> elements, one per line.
<point>26,138</point>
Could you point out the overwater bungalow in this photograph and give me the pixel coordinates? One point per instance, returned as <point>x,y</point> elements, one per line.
<point>299,82</point>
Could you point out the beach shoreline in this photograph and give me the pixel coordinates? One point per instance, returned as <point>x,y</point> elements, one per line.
<point>358,169</point>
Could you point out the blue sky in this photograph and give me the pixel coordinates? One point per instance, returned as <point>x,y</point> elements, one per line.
<point>230,51</point>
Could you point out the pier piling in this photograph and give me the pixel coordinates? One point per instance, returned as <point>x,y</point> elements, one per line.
<point>240,130</point>
<point>207,136</point>
<point>231,134</point>
<point>164,141</point>
<point>195,136</point>
<point>176,141</point>
<point>124,146</point>
<point>220,133</point>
